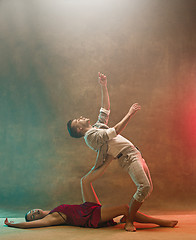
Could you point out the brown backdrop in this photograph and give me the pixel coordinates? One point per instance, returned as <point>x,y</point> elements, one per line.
<point>51,52</point>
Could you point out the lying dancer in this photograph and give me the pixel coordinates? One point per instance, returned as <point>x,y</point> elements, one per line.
<point>105,140</point>
<point>89,214</point>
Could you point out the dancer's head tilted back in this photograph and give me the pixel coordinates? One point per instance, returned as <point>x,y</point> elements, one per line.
<point>77,127</point>
<point>34,214</point>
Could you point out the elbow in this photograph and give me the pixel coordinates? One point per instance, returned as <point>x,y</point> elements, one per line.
<point>83,181</point>
<point>87,178</point>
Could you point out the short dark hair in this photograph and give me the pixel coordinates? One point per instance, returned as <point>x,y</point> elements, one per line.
<point>73,131</point>
<point>27,220</point>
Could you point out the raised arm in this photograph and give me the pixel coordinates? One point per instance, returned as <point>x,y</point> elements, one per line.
<point>123,123</point>
<point>105,103</point>
<point>88,192</point>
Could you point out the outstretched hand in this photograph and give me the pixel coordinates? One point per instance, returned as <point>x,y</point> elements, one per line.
<point>7,222</point>
<point>134,108</point>
<point>102,79</point>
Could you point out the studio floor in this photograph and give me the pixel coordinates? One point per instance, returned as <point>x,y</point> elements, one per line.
<point>186,230</point>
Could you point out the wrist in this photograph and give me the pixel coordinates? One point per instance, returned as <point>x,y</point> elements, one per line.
<point>130,113</point>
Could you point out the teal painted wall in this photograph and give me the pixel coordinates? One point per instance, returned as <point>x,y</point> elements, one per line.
<point>50,53</point>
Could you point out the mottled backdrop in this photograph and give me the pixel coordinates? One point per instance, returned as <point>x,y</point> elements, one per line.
<point>50,53</point>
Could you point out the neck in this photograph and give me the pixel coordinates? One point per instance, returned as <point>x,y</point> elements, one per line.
<point>87,128</point>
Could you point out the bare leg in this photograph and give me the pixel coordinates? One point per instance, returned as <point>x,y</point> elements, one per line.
<point>108,213</point>
<point>140,175</point>
<point>142,218</point>
<point>134,206</point>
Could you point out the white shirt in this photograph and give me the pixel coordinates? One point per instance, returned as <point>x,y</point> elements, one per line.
<point>117,143</point>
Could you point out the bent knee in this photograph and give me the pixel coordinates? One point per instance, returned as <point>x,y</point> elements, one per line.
<point>143,192</point>
<point>146,189</point>
<point>83,180</point>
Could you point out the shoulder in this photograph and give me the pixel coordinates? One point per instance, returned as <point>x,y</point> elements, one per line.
<point>90,132</point>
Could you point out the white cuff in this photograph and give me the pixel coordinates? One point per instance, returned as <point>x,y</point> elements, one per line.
<point>105,110</point>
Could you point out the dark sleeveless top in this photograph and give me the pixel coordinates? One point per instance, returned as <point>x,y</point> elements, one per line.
<point>87,214</point>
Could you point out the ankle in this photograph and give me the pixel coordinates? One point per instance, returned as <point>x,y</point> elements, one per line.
<point>130,227</point>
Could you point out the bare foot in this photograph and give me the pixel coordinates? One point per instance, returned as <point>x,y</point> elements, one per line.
<point>169,223</point>
<point>173,223</point>
<point>130,227</point>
